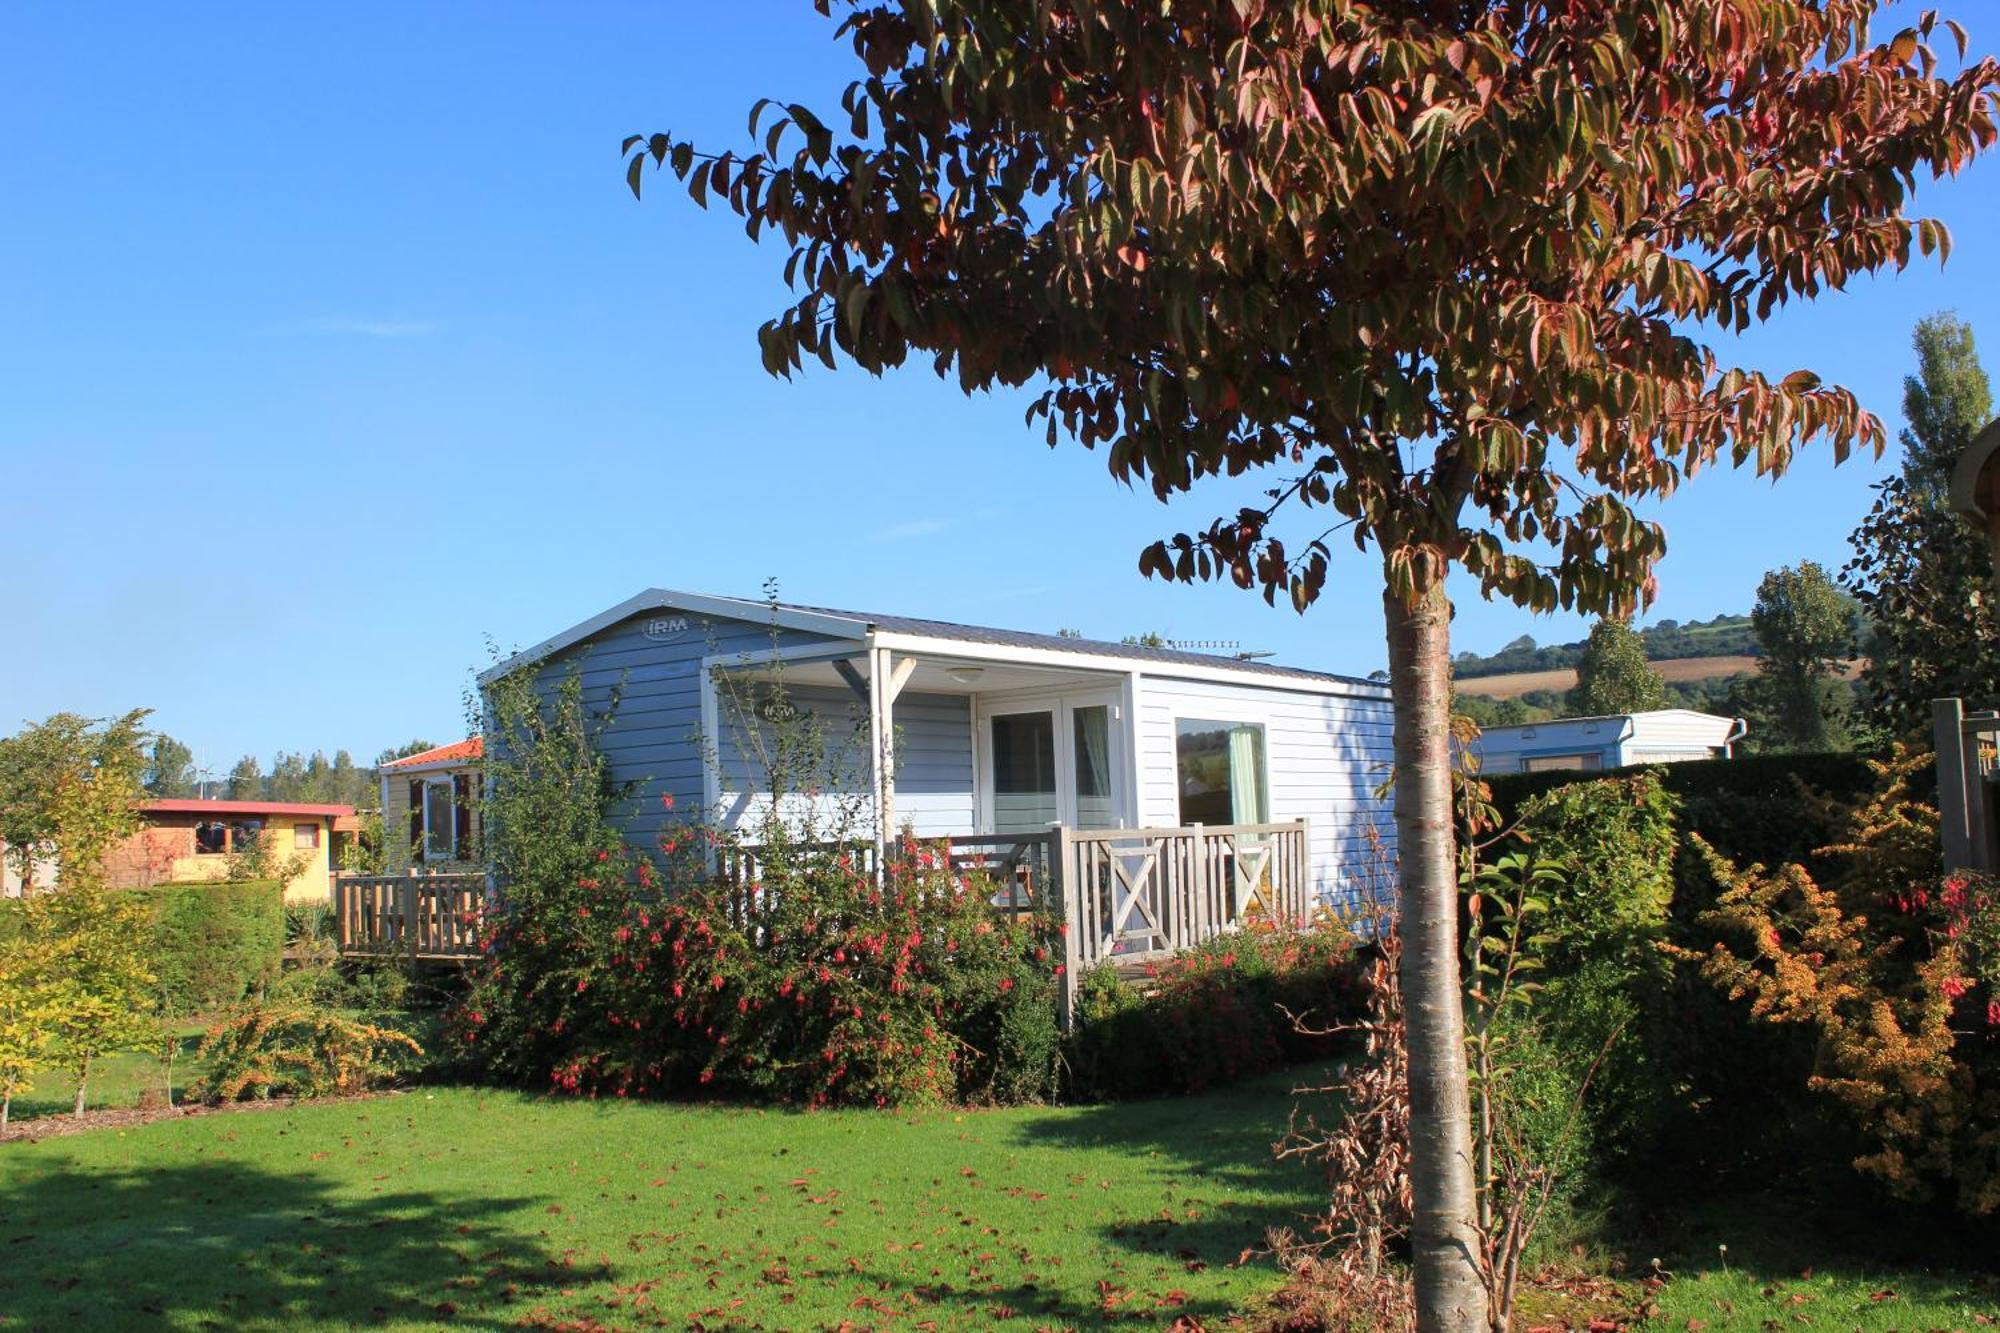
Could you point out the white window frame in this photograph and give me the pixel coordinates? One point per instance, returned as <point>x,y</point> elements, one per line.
<point>1228,717</point>
<point>450,787</point>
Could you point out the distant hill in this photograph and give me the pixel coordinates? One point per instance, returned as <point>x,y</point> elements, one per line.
<point>1677,670</point>
<point>1668,641</point>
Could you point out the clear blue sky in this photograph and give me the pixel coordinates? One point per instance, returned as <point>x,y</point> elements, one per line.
<point>331,343</point>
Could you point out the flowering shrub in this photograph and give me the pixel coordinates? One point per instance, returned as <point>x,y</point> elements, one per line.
<point>1213,1013</point>
<point>778,966</point>
<point>817,984</point>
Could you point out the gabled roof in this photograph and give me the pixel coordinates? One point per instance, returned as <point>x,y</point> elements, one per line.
<point>858,625</point>
<point>467,751</point>
<point>194,807</point>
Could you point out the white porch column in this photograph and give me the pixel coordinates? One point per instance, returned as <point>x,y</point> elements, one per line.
<point>886,677</point>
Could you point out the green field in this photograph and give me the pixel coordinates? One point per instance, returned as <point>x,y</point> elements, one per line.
<point>493,1208</point>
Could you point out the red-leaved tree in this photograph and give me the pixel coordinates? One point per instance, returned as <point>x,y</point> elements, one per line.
<point>1443,268</point>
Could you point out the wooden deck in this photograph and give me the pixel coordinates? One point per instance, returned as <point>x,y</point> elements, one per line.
<point>1124,895</point>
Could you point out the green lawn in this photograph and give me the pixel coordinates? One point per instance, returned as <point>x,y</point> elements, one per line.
<point>123,1078</point>
<point>1838,1263</point>
<point>491,1209</point>
<point>495,1209</point>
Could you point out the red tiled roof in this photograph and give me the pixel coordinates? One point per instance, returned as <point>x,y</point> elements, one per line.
<point>469,749</point>
<point>189,807</point>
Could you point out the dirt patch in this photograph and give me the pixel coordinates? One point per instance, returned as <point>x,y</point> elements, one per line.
<point>127,1117</point>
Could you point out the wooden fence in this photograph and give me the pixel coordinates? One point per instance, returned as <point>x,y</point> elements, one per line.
<point>1125,895</point>
<point>417,917</point>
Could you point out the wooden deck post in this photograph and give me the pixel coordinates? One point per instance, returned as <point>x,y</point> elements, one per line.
<point>1060,880</point>
<point>1956,809</point>
<point>409,895</point>
<point>1302,874</point>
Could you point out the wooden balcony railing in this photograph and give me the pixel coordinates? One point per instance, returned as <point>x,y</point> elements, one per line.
<point>418,917</point>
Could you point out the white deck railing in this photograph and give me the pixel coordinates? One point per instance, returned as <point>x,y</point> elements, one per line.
<point>1124,895</point>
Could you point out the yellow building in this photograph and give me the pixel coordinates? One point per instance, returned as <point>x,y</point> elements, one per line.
<point>187,841</point>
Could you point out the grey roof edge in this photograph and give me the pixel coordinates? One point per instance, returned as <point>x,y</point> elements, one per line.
<point>857,624</point>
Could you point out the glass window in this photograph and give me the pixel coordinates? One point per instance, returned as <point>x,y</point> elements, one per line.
<point>440,822</point>
<point>244,833</point>
<point>1219,767</point>
<point>1024,772</point>
<point>1093,767</point>
<point>305,837</point>
<point>211,838</point>
<point>1549,763</point>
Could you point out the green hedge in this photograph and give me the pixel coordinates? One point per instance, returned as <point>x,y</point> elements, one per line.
<point>215,942</point>
<point>212,943</point>
<point>1717,1091</point>
<point>1748,809</point>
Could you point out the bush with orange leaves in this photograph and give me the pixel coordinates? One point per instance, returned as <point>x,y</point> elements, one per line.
<point>1890,967</point>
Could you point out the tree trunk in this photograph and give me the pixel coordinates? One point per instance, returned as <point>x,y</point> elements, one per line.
<point>82,1083</point>
<point>1445,1247</point>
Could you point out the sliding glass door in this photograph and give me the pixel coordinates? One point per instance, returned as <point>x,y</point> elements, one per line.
<point>1053,761</point>
<point>1026,796</point>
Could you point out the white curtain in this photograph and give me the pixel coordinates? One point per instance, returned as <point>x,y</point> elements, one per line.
<point>1246,787</point>
<point>1093,767</point>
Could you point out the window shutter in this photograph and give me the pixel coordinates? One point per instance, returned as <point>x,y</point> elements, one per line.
<point>461,808</point>
<point>417,819</point>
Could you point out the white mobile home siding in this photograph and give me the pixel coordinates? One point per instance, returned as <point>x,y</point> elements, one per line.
<point>1659,737</point>
<point>1325,755</point>
<point>1670,735</point>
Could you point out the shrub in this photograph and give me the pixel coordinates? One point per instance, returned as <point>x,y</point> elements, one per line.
<point>818,985</point>
<point>213,943</point>
<point>295,1047</point>
<point>1221,1010</point>
<point>1886,977</point>
<point>817,981</point>
<point>1604,983</point>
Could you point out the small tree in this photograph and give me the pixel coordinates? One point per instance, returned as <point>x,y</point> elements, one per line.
<point>102,941</point>
<point>1922,575</point>
<point>32,994</point>
<point>1614,675</point>
<point>69,791</point>
<point>1442,266</point>
<point>1805,625</point>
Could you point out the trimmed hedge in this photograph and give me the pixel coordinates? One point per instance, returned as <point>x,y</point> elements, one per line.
<point>1748,809</point>
<point>214,943</point>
